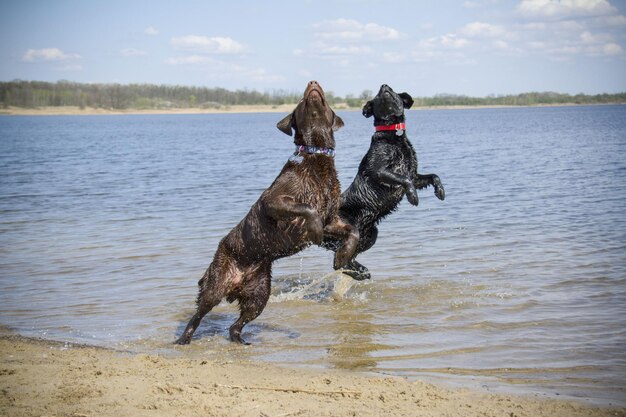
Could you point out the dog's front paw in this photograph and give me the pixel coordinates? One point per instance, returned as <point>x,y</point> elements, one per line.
<point>440,192</point>
<point>411,195</point>
<point>356,275</point>
<point>355,270</point>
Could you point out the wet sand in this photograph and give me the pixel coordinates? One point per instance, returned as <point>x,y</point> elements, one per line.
<point>44,378</point>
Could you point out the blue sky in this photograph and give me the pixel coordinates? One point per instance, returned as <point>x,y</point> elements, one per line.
<point>425,47</point>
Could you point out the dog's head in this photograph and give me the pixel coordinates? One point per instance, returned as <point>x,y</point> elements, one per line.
<point>388,106</point>
<point>312,120</point>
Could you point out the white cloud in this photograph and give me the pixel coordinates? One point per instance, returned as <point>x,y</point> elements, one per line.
<point>569,28</point>
<point>48,54</point>
<point>132,52</point>
<point>348,30</point>
<point>453,41</point>
<point>394,57</point>
<point>482,30</point>
<point>447,48</point>
<point>502,45</point>
<point>447,56</point>
<point>342,38</point>
<point>612,49</point>
<point>151,31</point>
<point>222,70</point>
<point>549,29</point>
<point>615,20</point>
<point>556,40</point>
<point>477,4</point>
<point>325,49</point>
<point>564,46</point>
<point>534,26</point>
<point>202,58</point>
<point>589,38</point>
<point>204,44</point>
<point>566,26</point>
<point>450,41</point>
<point>558,9</point>
<point>471,4</point>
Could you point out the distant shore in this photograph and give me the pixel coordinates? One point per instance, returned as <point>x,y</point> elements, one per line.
<point>46,378</point>
<point>283,108</point>
<point>90,111</point>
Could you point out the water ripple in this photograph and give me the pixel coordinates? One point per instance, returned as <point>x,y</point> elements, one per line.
<point>517,279</point>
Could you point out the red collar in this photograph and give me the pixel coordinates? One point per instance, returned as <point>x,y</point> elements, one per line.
<point>399,126</point>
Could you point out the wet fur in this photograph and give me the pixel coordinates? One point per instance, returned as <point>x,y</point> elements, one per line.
<point>387,173</point>
<point>297,210</point>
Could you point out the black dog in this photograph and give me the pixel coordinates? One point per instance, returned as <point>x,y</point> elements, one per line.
<point>298,209</point>
<point>386,174</point>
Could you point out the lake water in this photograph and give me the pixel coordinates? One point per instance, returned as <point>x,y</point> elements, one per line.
<point>516,282</point>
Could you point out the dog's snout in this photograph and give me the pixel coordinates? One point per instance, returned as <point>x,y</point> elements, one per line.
<point>314,90</point>
<point>384,89</point>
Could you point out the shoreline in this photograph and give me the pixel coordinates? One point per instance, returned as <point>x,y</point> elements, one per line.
<point>283,108</point>
<point>47,378</point>
<point>89,111</point>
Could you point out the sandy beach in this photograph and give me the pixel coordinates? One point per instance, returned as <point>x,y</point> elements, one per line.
<point>44,378</point>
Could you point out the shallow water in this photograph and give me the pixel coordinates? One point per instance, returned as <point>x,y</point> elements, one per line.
<point>516,282</point>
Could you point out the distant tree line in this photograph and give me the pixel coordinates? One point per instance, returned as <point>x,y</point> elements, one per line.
<point>32,94</point>
<point>524,99</point>
<point>132,96</point>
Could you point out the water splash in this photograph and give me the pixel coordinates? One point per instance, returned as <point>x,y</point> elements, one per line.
<point>334,286</point>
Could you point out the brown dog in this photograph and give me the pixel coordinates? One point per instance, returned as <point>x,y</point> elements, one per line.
<point>298,209</point>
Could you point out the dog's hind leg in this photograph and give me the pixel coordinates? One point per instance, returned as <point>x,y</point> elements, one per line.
<point>210,295</point>
<point>252,298</point>
<point>202,310</point>
<point>367,239</point>
<point>421,181</point>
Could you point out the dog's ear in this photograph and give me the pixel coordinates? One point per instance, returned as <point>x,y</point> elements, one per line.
<point>368,109</point>
<point>285,124</point>
<point>407,100</point>
<point>337,122</point>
